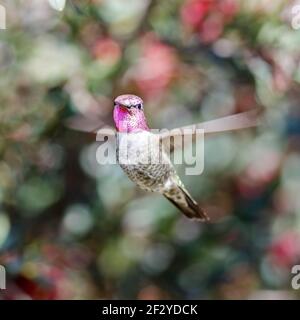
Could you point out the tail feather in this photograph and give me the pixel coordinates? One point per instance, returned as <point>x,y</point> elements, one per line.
<point>186,204</point>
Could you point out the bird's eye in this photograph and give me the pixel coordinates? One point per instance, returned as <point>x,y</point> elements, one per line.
<point>139,106</point>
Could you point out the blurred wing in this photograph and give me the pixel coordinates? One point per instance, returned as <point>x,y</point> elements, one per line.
<point>238,121</point>
<point>84,124</point>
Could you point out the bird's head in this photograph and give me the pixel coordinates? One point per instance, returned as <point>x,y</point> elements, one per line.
<point>129,113</point>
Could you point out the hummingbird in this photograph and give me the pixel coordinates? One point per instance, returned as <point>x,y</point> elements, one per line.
<point>158,176</point>
<point>138,144</point>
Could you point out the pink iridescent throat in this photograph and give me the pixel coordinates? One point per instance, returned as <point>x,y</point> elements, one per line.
<point>129,120</point>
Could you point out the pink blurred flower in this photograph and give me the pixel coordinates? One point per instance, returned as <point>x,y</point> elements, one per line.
<point>155,68</point>
<point>194,11</point>
<point>107,50</point>
<point>285,250</point>
<point>212,28</point>
<point>208,17</point>
<point>228,8</point>
<point>262,169</point>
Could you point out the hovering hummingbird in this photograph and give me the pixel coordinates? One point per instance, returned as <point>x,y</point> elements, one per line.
<point>160,176</point>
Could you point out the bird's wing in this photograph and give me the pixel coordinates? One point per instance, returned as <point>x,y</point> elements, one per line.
<point>84,124</point>
<point>173,139</point>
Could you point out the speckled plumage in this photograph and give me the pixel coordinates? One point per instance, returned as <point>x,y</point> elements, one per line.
<point>139,157</point>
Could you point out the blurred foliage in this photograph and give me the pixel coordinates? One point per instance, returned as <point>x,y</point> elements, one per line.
<point>70,228</point>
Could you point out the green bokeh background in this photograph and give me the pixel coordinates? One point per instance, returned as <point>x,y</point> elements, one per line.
<point>72,229</point>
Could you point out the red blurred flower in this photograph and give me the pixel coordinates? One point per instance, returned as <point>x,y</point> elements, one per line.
<point>40,290</point>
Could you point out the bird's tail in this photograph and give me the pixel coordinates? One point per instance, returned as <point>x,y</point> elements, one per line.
<point>186,204</point>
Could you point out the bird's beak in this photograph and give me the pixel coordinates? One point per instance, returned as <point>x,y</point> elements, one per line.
<point>120,106</point>
<point>124,108</point>
<point>128,109</point>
